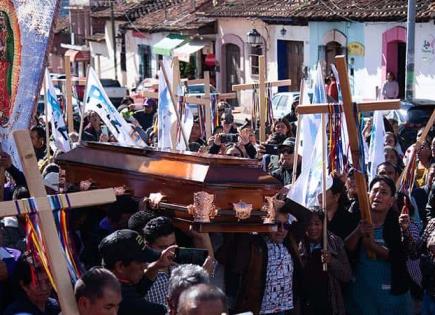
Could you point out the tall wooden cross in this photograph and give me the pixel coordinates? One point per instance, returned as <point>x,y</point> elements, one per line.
<point>56,257</point>
<point>352,129</point>
<point>195,100</point>
<point>261,85</point>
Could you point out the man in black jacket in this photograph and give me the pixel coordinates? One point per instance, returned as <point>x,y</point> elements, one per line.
<point>125,254</point>
<point>286,158</point>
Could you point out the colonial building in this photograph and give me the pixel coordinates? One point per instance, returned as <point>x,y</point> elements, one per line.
<point>371,33</point>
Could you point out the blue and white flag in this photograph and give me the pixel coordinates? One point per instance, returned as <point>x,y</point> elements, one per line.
<point>344,135</point>
<point>308,185</point>
<point>55,116</point>
<point>187,123</point>
<point>98,101</point>
<point>167,117</point>
<point>376,148</point>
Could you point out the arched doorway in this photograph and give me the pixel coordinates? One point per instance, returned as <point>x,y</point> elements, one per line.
<point>394,55</point>
<point>332,49</point>
<point>334,43</point>
<point>232,66</point>
<point>231,54</point>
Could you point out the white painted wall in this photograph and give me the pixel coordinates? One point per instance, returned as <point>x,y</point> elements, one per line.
<point>131,46</point>
<point>107,67</point>
<point>425,61</point>
<point>370,76</point>
<point>270,33</point>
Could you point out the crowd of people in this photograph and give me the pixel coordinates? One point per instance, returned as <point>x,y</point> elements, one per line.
<point>126,251</point>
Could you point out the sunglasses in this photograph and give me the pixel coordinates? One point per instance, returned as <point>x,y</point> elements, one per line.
<point>284,226</point>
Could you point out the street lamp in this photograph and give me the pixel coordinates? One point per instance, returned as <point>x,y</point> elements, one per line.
<point>254,38</point>
<point>283,31</point>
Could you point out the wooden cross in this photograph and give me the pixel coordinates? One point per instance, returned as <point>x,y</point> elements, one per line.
<point>261,85</point>
<point>196,100</point>
<point>352,129</point>
<point>56,257</point>
<point>68,94</point>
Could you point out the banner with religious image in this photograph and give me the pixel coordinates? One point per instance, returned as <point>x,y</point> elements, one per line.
<point>98,101</point>
<point>55,116</point>
<point>25,27</point>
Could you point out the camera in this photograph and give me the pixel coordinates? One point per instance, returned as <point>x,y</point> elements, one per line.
<point>229,138</point>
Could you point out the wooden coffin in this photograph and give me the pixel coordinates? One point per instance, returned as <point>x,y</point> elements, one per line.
<point>177,175</point>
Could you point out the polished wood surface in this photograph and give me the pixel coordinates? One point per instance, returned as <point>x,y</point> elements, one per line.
<point>178,175</point>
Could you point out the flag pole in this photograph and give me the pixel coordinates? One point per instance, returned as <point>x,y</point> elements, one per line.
<point>298,134</point>
<point>165,76</point>
<point>325,219</point>
<point>83,110</point>
<point>47,131</point>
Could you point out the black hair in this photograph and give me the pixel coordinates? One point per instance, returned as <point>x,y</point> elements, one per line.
<point>123,204</point>
<point>286,123</point>
<point>138,220</point>
<point>157,227</point>
<point>91,285</point>
<point>315,212</point>
<point>338,187</point>
<point>20,192</point>
<point>389,133</point>
<point>389,164</point>
<point>399,160</point>
<point>23,272</point>
<point>40,131</point>
<point>386,180</point>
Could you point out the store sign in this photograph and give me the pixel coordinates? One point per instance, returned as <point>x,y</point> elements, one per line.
<point>355,49</point>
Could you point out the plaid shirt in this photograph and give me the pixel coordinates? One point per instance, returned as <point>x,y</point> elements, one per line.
<point>278,293</point>
<point>159,290</point>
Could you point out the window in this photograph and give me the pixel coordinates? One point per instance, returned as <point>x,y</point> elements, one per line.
<point>144,61</point>
<point>254,53</point>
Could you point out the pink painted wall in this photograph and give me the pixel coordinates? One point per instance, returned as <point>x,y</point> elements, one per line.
<point>390,39</point>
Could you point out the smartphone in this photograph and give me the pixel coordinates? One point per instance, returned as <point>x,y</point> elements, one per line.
<point>272,149</point>
<point>196,256</point>
<point>229,138</point>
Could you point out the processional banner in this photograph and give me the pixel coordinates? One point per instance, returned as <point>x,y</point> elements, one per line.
<point>25,27</point>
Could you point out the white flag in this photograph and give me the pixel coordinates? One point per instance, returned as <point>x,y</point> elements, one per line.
<point>98,101</point>
<point>376,148</point>
<point>55,116</point>
<point>187,122</point>
<point>167,117</point>
<point>308,185</point>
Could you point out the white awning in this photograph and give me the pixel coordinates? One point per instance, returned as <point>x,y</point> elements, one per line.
<point>166,46</point>
<point>183,52</point>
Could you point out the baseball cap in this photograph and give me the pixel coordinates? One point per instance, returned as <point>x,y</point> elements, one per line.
<point>125,245</point>
<point>51,180</point>
<point>149,102</point>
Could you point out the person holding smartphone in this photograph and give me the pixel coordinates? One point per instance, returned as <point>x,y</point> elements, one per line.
<point>159,234</point>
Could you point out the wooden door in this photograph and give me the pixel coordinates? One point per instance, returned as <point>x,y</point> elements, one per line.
<point>290,62</point>
<point>295,53</point>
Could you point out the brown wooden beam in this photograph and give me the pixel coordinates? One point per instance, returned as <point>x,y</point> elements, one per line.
<point>251,86</point>
<point>368,106</point>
